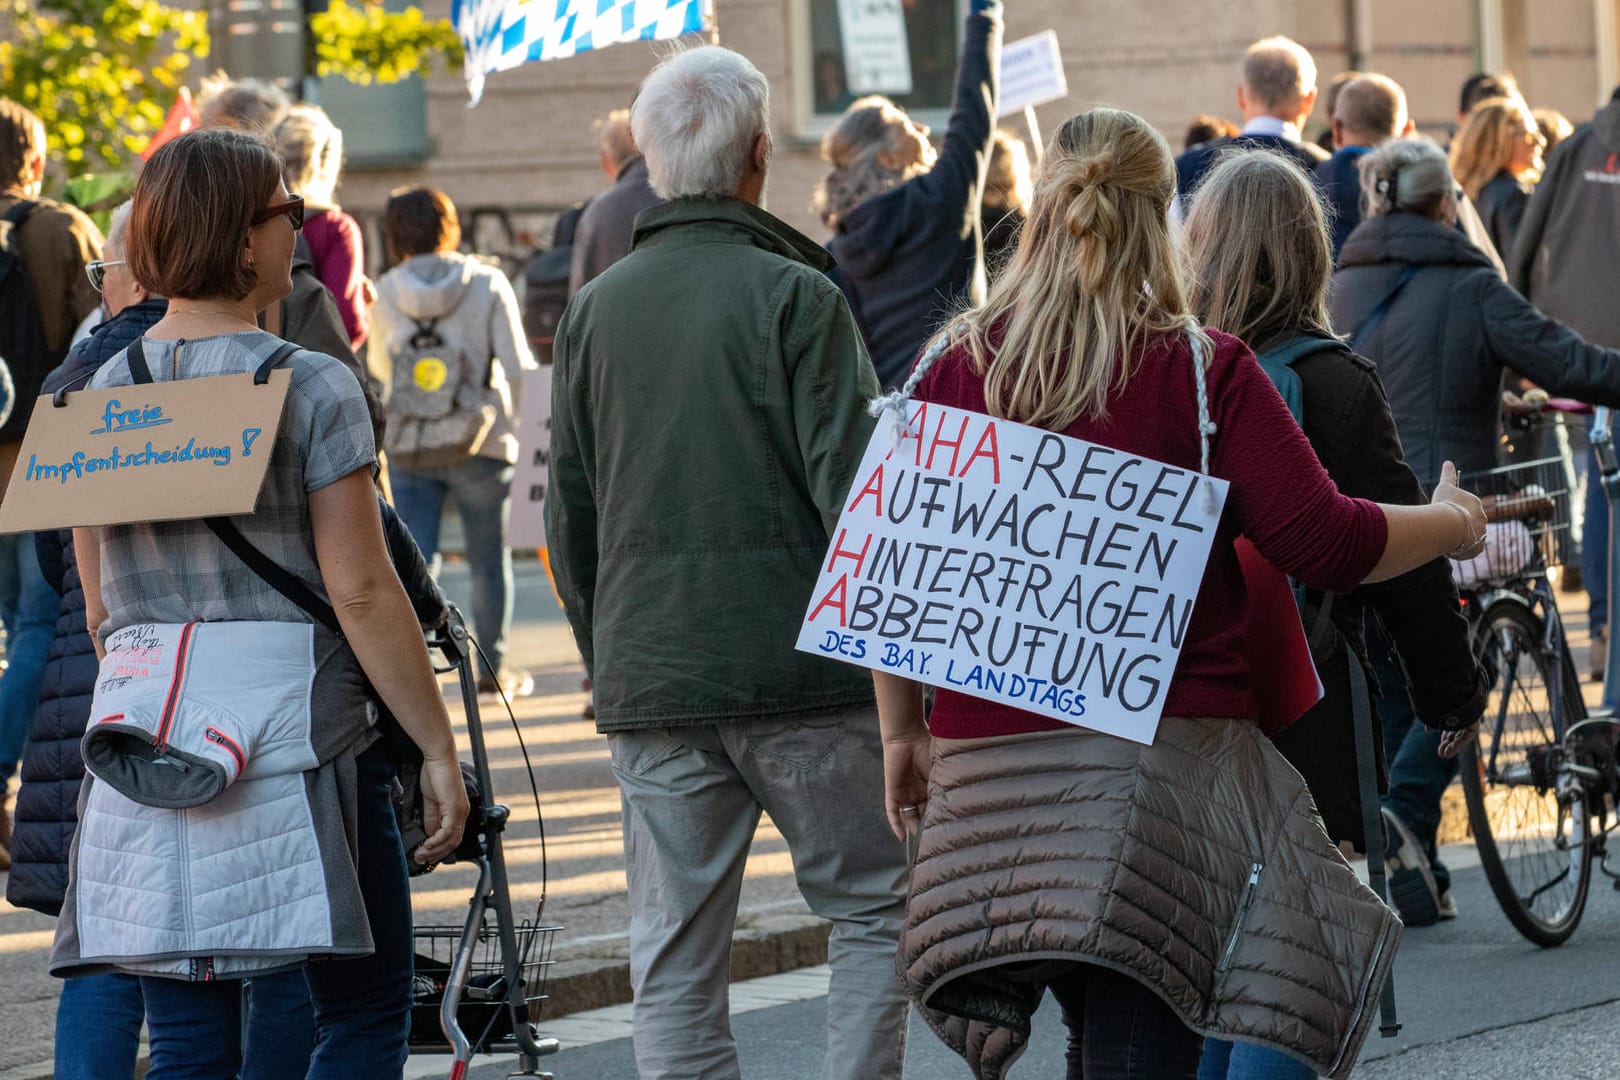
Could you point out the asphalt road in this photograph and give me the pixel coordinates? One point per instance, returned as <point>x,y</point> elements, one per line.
<point>1476,1002</point>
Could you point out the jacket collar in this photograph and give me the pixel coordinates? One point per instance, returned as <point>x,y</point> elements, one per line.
<point>1409,238</point>
<point>678,218</point>
<point>634,169</point>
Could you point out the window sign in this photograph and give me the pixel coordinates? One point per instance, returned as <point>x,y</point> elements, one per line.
<point>877,57</point>
<point>931,31</point>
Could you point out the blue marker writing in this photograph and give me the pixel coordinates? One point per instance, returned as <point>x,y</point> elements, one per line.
<point>248,436</point>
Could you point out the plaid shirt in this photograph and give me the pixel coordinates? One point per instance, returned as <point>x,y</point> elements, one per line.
<point>178,571</point>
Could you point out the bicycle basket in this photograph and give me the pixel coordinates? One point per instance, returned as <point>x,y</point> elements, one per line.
<point>1527,512</point>
<point>484,1015</point>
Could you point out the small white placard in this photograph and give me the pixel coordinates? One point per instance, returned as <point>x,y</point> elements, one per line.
<point>877,58</point>
<point>1031,73</point>
<point>1019,565</point>
<point>526,528</point>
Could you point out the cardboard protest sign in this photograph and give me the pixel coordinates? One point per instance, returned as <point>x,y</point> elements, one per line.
<point>1031,73</point>
<point>527,526</point>
<point>160,451</point>
<point>1016,564</point>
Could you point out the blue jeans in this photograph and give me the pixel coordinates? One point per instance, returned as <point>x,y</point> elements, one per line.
<point>280,1031</point>
<point>1418,775</point>
<point>98,1028</point>
<point>480,487</point>
<point>362,1006</point>
<point>1245,1061</point>
<point>1595,546</point>
<point>28,609</point>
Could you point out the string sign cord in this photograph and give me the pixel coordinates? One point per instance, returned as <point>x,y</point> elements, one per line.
<point>1206,426</point>
<point>895,401</point>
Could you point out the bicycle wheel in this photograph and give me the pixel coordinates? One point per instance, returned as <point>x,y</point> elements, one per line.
<point>1529,818</point>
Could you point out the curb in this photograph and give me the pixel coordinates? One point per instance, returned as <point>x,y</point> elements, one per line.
<point>762,945</point>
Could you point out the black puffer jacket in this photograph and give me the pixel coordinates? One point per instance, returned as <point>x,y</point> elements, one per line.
<point>47,804</point>
<point>1444,342</point>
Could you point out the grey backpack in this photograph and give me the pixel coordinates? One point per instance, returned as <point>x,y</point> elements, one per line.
<point>441,406</point>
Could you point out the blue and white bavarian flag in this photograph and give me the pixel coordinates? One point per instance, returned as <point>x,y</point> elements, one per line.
<point>501,34</point>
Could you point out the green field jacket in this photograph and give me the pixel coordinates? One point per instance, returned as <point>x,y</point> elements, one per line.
<point>708,416</point>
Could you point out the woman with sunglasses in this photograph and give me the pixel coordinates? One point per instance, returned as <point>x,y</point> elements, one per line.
<point>212,227</point>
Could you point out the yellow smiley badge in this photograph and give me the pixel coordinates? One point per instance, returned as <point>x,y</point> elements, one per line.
<point>430,373</point>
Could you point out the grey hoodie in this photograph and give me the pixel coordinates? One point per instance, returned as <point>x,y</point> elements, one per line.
<point>1564,259</point>
<point>475,308</point>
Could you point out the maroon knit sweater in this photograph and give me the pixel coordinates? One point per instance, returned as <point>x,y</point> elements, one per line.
<point>1280,498</point>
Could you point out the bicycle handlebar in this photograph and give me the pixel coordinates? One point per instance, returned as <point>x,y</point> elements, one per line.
<point>1536,401</point>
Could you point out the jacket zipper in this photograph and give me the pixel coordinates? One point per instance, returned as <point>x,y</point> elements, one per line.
<point>160,740</point>
<point>1242,916</point>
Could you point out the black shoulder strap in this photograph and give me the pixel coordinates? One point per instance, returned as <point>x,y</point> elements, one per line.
<point>1363,333</point>
<point>1361,715</point>
<point>274,575</point>
<point>279,579</point>
<point>140,372</point>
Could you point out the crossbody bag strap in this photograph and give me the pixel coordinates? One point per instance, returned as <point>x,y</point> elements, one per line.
<point>273,574</point>
<point>1364,332</point>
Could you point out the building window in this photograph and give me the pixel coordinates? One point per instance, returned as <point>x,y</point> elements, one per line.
<point>933,30</point>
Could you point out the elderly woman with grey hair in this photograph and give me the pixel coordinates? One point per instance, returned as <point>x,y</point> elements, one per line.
<point>907,234</point>
<point>1428,308</point>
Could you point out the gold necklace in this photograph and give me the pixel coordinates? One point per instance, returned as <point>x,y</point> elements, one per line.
<point>208,311</point>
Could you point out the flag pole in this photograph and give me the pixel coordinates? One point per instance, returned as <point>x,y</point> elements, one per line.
<point>711,25</point>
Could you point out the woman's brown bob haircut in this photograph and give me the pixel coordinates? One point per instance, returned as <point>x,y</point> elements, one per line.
<point>420,221</point>
<point>193,205</point>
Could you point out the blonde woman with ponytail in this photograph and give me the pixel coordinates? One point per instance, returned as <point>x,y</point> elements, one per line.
<point>1128,879</point>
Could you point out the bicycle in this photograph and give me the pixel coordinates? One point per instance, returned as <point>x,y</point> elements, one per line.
<point>1540,780</point>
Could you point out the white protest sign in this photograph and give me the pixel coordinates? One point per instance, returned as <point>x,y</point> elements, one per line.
<point>1031,73</point>
<point>164,451</point>
<point>527,526</point>
<point>877,57</point>
<point>1015,564</point>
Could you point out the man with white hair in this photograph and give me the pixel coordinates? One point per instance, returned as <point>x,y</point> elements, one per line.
<point>1276,96</point>
<point>707,419</point>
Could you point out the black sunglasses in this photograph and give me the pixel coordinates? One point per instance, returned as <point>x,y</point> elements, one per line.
<point>293,208</point>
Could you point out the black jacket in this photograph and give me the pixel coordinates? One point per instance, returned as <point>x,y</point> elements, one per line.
<point>909,257</point>
<point>1501,205</point>
<point>1443,344</point>
<point>1565,258</point>
<point>1347,418</point>
<point>1194,163</point>
<point>47,803</point>
<point>1339,177</point>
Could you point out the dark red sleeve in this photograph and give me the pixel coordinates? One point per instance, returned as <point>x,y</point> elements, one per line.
<point>342,270</point>
<point>1281,498</point>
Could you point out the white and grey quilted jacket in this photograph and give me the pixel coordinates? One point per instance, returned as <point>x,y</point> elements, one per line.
<point>216,834</point>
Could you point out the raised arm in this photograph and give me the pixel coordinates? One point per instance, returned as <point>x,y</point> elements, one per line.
<point>959,173</point>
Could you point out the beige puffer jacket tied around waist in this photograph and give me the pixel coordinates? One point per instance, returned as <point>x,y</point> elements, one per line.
<point>1196,865</point>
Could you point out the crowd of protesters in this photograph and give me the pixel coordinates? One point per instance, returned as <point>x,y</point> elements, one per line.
<point>713,369</point>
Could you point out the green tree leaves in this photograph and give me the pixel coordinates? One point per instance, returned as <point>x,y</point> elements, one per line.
<point>365,43</point>
<point>101,74</point>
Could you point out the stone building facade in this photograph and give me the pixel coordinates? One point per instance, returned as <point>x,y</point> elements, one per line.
<point>529,149</point>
